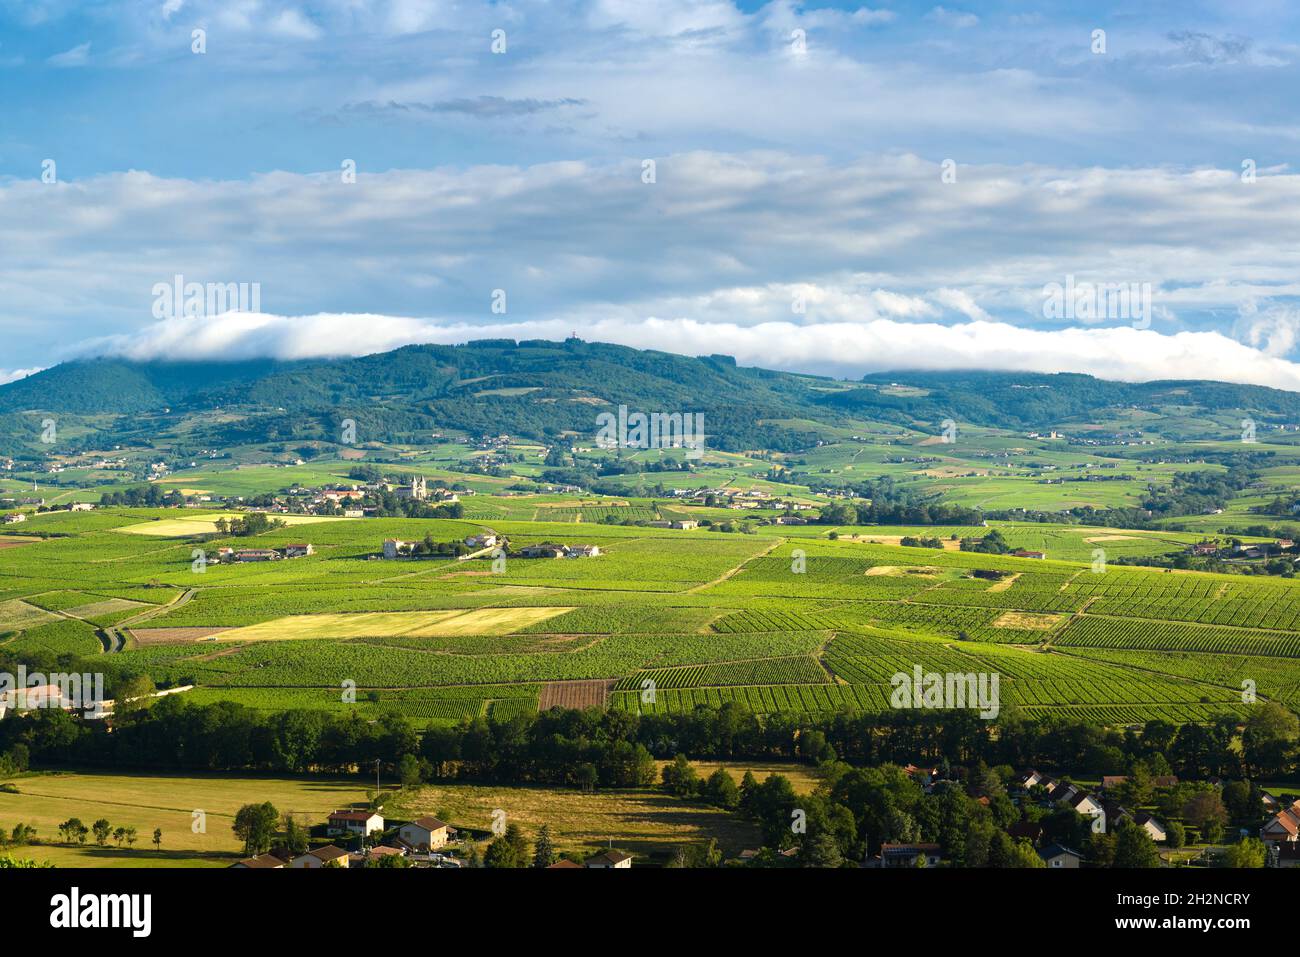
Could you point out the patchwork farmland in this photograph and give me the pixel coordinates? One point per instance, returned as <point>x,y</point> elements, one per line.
<point>662,620</point>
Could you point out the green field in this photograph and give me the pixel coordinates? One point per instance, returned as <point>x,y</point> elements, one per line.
<point>785,619</point>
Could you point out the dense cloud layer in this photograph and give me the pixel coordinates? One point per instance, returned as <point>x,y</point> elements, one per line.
<point>847,349</point>
<point>717,238</point>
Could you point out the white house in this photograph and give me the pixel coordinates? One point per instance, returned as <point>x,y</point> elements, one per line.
<point>485,540</point>
<point>1151,826</point>
<point>13,518</point>
<point>1032,779</point>
<point>1089,806</point>
<point>364,823</point>
<point>425,834</point>
<point>609,859</point>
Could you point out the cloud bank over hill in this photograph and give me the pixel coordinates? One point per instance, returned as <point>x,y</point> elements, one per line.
<point>846,349</point>
<point>739,240</point>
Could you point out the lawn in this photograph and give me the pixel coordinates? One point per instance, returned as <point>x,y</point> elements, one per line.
<point>147,801</point>
<point>641,822</point>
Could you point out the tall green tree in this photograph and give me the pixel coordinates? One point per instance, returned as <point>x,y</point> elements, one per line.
<point>255,825</point>
<point>543,849</point>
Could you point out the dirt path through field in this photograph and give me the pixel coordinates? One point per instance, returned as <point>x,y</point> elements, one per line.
<point>727,574</point>
<point>114,637</point>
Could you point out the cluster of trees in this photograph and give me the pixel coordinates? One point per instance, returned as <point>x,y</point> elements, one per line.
<point>428,547</point>
<point>73,831</point>
<point>593,749</point>
<point>1194,493</point>
<point>994,543</point>
<point>263,828</point>
<point>244,526</point>
<point>20,834</point>
<point>511,848</point>
<point>144,496</point>
<point>886,513</point>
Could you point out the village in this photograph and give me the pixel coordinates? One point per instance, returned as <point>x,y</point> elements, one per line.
<point>421,843</point>
<point>352,838</point>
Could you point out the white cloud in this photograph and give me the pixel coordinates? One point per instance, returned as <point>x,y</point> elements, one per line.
<point>960,301</point>
<point>13,375</point>
<point>77,56</point>
<point>725,238</point>
<point>838,348</point>
<point>952,18</point>
<point>1270,327</point>
<point>291,23</point>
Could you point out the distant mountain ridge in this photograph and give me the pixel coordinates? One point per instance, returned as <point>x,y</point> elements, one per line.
<point>541,389</point>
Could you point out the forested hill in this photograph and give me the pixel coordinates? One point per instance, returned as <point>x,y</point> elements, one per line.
<point>541,388</point>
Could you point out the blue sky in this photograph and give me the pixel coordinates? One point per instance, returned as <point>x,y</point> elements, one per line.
<point>799,155</point>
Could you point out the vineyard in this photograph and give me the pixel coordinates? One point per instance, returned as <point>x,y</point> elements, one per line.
<point>780,620</point>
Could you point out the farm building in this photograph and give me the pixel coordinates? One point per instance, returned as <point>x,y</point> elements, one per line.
<point>581,551</point>
<point>260,862</point>
<point>257,555</point>
<point>545,550</point>
<point>299,550</point>
<point>609,859</point>
<point>1026,553</point>
<point>486,540</point>
<point>394,548</point>
<point>13,518</point>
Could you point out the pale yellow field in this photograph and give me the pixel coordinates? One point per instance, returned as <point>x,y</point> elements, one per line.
<point>148,801</point>
<point>19,614</point>
<point>106,607</point>
<point>206,525</point>
<point>1028,620</point>
<point>394,624</point>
